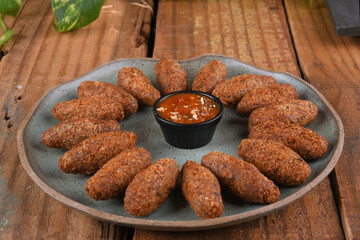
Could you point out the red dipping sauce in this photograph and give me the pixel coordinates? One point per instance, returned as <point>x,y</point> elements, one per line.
<point>187,108</point>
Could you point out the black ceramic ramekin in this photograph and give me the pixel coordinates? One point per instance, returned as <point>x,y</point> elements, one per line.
<point>188,136</point>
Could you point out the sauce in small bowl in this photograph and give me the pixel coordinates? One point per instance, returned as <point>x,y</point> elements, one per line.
<point>188,108</point>
<point>188,119</point>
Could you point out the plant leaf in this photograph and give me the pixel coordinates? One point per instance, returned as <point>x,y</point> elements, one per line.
<point>75,14</point>
<point>6,36</point>
<point>10,7</point>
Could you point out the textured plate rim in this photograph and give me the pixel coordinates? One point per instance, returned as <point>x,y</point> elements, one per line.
<point>179,225</point>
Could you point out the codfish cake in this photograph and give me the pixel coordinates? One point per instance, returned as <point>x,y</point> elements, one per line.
<point>113,178</point>
<point>209,76</point>
<point>137,84</point>
<point>91,154</point>
<point>108,90</point>
<point>266,95</point>
<point>68,133</point>
<point>299,112</point>
<point>240,178</point>
<point>151,187</point>
<point>170,76</point>
<point>308,144</point>
<point>234,89</point>
<point>92,107</point>
<point>276,161</point>
<point>201,189</point>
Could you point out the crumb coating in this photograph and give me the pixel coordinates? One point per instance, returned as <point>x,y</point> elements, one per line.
<point>209,76</point>
<point>300,112</point>
<point>151,187</point>
<point>92,107</point>
<point>241,179</point>
<point>70,132</point>
<point>170,76</point>
<point>234,89</point>
<point>113,178</point>
<point>111,91</point>
<point>201,189</point>
<point>137,84</point>
<point>266,95</point>
<point>276,161</point>
<point>91,154</point>
<point>308,144</point>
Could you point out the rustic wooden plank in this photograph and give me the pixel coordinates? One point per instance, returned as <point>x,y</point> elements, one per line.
<point>331,63</point>
<point>39,59</point>
<point>257,33</point>
<point>297,221</point>
<point>189,28</point>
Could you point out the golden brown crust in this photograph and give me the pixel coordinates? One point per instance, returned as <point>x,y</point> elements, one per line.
<point>170,76</point>
<point>305,142</point>
<point>234,89</point>
<point>137,84</point>
<point>92,107</point>
<point>113,178</point>
<point>266,95</point>
<point>276,161</point>
<point>241,179</point>
<point>70,132</point>
<point>202,190</point>
<point>209,76</point>
<point>151,187</point>
<point>91,154</point>
<point>108,90</point>
<point>299,112</point>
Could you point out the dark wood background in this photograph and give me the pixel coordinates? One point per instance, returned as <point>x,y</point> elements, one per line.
<point>273,34</point>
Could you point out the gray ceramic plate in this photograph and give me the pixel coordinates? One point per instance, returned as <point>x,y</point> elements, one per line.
<point>175,214</point>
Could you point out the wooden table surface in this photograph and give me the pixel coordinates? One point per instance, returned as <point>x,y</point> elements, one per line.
<point>275,35</point>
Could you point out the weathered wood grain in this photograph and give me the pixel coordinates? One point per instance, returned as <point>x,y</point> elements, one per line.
<point>298,221</point>
<point>331,63</point>
<point>37,60</point>
<point>255,32</point>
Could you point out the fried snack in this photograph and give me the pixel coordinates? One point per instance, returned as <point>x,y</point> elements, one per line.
<point>170,76</point>
<point>276,161</point>
<point>151,187</point>
<point>241,179</point>
<point>308,144</point>
<point>209,76</point>
<point>108,90</point>
<point>202,190</point>
<point>137,84</point>
<point>266,95</point>
<point>234,89</point>
<point>91,154</point>
<point>300,112</point>
<point>92,107</point>
<point>70,132</point>
<point>113,178</point>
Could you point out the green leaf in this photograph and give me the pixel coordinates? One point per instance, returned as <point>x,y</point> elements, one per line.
<point>6,36</point>
<point>75,14</point>
<point>10,7</point>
